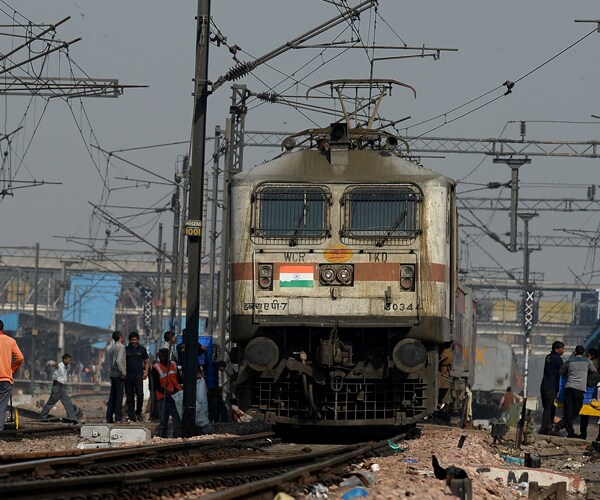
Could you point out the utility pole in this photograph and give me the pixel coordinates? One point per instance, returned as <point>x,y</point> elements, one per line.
<point>213,233</point>
<point>194,222</point>
<point>159,290</point>
<point>527,322</point>
<point>234,159</point>
<point>163,273</point>
<point>64,286</point>
<point>34,330</point>
<point>185,175</point>
<point>514,164</point>
<point>176,207</point>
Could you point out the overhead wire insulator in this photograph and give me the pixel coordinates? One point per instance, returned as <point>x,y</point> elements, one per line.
<point>235,73</point>
<point>240,70</point>
<point>268,96</point>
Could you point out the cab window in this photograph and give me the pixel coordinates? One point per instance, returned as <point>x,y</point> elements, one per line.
<point>291,213</point>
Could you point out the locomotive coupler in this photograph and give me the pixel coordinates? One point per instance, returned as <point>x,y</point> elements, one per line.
<point>318,376</point>
<point>333,352</point>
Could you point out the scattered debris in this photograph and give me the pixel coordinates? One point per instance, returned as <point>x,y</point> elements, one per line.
<point>512,460</point>
<point>556,490</point>
<point>447,474</point>
<point>395,447</point>
<point>355,493</point>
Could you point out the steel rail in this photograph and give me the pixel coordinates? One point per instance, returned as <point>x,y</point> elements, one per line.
<point>212,474</point>
<point>271,484</point>
<point>18,434</point>
<point>105,457</point>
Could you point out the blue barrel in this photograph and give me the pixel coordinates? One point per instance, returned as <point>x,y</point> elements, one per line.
<point>589,394</point>
<point>211,375</point>
<point>206,341</point>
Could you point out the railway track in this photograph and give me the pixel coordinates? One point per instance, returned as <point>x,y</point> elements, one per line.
<point>37,432</point>
<point>72,463</point>
<point>224,468</point>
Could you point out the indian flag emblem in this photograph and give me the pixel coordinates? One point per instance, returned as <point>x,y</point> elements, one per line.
<point>296,276</point>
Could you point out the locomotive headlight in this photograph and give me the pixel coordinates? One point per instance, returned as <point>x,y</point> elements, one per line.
<point>344,274</point>
<point>265,276</point>
<point>407,277</point>
<point>265,283</point>
<point>327,274</point>
<point>409,355</point>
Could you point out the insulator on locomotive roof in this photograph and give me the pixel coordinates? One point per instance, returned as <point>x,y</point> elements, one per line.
<point>391,142</point>
<point>288,143</point>
<point>323,145</point>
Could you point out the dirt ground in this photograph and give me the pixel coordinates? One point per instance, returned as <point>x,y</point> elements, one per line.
<point>408,473</point>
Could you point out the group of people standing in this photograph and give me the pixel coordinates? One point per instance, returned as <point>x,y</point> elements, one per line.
<point>129,367</point>
<point>580,375</point>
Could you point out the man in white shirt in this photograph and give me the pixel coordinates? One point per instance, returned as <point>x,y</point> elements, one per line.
<point>202,420</point>
<point>58,392</point>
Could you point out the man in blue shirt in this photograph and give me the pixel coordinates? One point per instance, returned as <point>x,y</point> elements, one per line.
<point>549,387</point>
<point>136,360</point>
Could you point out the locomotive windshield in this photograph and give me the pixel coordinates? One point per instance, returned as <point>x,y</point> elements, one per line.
<point>382,214</point>
<point>293,213</point>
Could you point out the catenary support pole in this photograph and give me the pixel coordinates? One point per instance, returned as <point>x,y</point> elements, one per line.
<point>514,164</point>
<point>194,222</point>
<point>527,325</point>
<point>159,290</point>
<point>34,330</point>
<point>212,288</point>
<point>176,207</point>
<point>185,175</point>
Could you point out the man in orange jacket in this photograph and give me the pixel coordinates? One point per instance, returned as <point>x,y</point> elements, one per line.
<point>10,360</point>
<point>166,382</point>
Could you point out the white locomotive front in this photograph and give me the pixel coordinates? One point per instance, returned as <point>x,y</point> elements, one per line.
<point>343,282</point>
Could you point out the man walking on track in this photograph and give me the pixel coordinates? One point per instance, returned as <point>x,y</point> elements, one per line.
<point>10,360</point>
<point>58,392</point>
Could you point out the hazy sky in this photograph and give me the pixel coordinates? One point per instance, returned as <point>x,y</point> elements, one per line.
<point>151,42</point>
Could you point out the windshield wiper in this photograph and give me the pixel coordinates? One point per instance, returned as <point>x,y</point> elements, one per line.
<point>301,222</point>
<point>399,220</point>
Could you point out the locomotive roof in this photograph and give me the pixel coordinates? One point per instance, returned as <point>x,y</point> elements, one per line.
<point>367,166</point>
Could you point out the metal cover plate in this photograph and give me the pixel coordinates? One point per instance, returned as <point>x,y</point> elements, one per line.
<point>129,434</point>
<point>99,433</point>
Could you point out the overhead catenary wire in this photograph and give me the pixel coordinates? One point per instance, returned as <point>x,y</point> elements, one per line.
<point>508,84</point>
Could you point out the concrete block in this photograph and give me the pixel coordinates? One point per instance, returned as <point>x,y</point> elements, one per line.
<point>99,433</point>
<point>122,434</point>
<point>543,477</point>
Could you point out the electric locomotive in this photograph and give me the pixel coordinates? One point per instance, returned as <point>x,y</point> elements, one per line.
<point>344,283</point>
